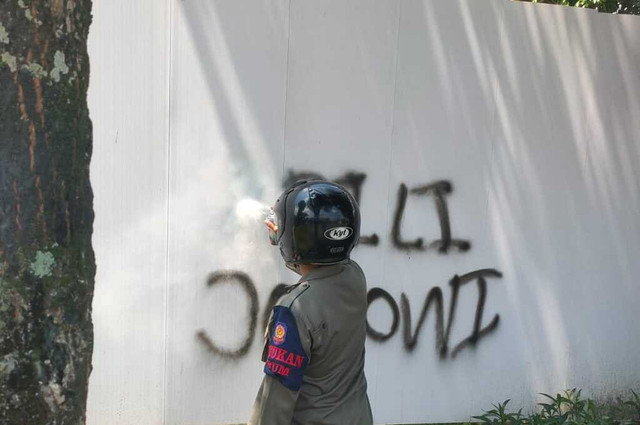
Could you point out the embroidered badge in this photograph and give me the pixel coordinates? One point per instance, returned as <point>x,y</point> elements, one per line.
<point>279,333</point>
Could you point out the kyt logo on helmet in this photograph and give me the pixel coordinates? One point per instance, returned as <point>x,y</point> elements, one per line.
<point>338,233</point>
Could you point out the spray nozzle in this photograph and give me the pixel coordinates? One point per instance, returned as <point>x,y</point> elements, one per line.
<point>272,226</point>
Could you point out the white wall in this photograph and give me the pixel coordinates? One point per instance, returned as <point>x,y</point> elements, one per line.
<point>528,111</point>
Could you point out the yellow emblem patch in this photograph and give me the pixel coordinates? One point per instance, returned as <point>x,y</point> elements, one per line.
<point>279,333</point>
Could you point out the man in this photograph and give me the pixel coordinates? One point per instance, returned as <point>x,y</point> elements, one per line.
<point>314,344</point>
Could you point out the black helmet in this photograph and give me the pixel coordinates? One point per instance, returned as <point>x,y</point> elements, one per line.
<point>318,223</point>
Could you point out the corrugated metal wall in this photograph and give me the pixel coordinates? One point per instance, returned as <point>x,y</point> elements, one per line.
<point>510,131</point>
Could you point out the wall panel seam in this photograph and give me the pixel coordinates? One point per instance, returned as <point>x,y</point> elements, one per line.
<point>168,98</point>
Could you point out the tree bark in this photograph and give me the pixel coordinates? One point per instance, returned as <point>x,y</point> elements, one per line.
<point>47,264</point>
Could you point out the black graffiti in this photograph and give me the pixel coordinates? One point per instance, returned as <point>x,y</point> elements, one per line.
<point>410,335</point>
<point>411,339</point>
<point>478,331</point>
<point>275,295</point>
<point>294,176</point>
<point>373,295</point>
<point>435,297</point>
<point>354,181</point>
<point>397,240</point>
<point>245,283</point>
<point>351,180</point>
<point>438,189</point>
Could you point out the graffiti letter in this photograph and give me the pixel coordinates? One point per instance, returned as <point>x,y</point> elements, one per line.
<point>247,284</point>
<point>439,189</point>
<point>294,176</point>
<point>354,180</point>
<point>410,341</point>
<point>478,332</point>
<point>397,222</point>
<point>372,295</point>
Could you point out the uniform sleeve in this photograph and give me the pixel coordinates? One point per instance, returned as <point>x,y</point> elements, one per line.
<point>274,404</point>
<point>286,355</point>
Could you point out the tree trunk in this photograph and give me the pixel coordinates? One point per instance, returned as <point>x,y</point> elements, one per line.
<point>47,264</point>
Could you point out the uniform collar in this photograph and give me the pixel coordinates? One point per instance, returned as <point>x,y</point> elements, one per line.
<point>323,271</point>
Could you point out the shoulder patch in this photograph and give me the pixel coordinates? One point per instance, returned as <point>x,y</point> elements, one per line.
<point>286,358</point>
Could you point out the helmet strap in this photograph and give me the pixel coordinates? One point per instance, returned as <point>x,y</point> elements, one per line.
<point>294,267</point>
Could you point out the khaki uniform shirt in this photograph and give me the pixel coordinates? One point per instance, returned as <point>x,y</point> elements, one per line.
<point>314,352</point>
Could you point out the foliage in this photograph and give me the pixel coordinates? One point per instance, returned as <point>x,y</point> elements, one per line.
<point>568,408</point>
<point>631,7</point>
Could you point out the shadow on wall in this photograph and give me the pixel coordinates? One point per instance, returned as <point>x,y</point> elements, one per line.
<point>229,70</point>
<point>564,152</point>
<point>562,179</point>
<point>555,101</point>
<point>530,181</point>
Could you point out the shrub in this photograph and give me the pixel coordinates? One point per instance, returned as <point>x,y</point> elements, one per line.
<point>568,408</point>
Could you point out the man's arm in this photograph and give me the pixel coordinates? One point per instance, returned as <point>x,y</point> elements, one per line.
<point>274,404</point>
<point>286,355</point>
